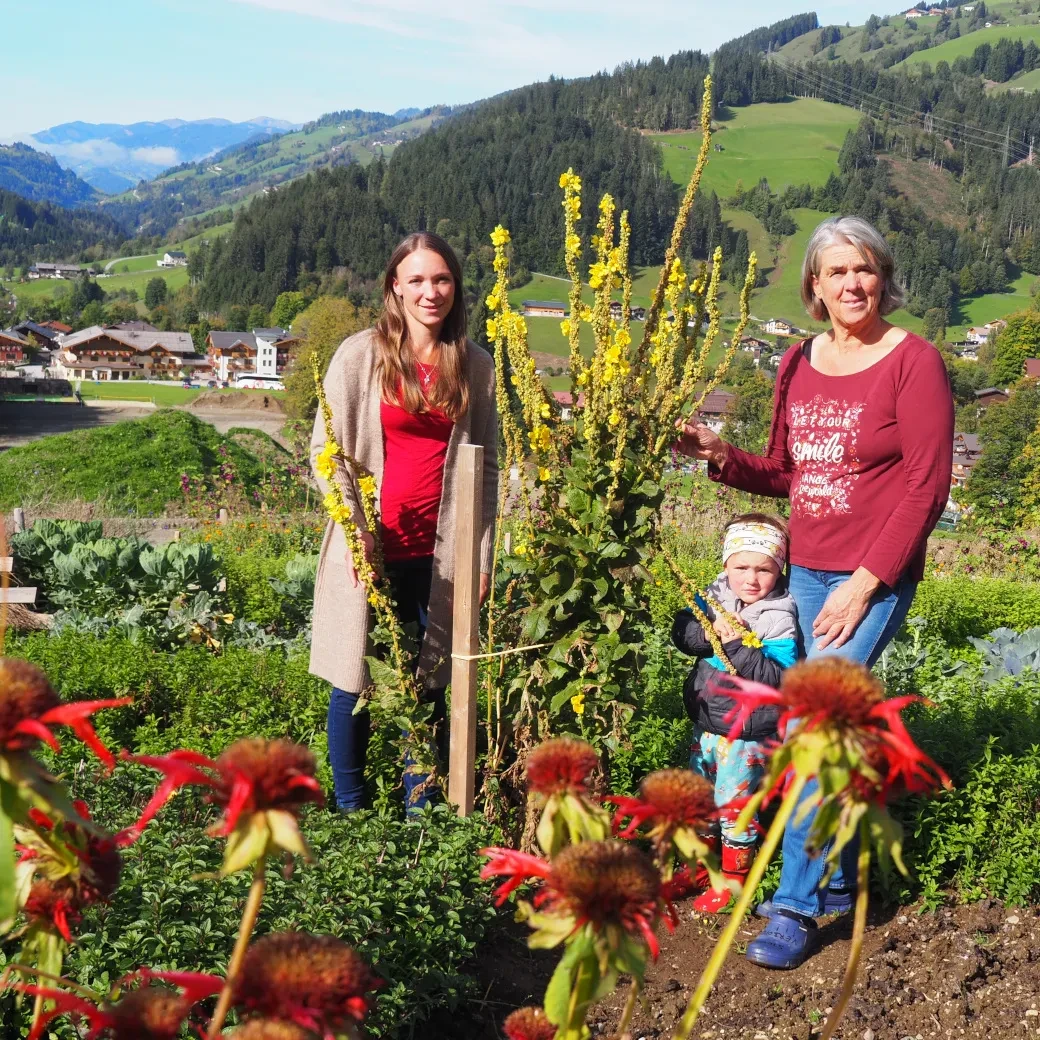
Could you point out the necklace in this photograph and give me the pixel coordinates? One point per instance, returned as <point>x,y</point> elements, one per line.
<point>426,374</point>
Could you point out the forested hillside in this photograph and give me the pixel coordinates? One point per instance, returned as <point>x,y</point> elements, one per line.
<point>37,177</point>
<point>32,231</point>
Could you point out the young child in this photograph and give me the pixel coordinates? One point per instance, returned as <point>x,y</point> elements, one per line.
<point>751,590</point>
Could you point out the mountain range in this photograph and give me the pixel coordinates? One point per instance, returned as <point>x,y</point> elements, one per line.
<point>114,157</point>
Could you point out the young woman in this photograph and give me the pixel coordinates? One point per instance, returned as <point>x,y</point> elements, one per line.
<point>404,395</point>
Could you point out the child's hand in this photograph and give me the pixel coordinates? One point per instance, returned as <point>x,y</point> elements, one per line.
<point>725,631</point>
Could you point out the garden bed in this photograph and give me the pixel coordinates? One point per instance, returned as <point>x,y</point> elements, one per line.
<point>970,971</point>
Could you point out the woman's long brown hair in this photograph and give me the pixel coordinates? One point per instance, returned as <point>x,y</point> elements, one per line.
<point>398,375</point>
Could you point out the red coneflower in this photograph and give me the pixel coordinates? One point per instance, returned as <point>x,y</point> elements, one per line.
<point>148,1013</point>
<point>609,885</point>
<point>562,765</point>
<point>317,982</point>
<point>529,1023</point>
<point>253,776</point>
<point>668,800</point>
<point>53,905</point>
<point>29,707</point>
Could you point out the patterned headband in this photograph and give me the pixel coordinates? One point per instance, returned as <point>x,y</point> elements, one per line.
<point>755,537</point>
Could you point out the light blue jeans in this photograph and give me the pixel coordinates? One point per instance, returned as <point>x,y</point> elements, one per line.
<point>802,874</point>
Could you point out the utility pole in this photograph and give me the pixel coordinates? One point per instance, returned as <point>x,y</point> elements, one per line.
<point>1007,143</point>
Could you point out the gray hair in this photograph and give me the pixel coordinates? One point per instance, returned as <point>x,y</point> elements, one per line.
<point>871,245</point>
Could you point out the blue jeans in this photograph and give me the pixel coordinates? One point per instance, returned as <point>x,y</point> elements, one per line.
<point>802,875</point>
<point>349,733</point>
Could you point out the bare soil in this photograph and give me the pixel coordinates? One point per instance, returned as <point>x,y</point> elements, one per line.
<point>968,971</point>
<point>236,401</point>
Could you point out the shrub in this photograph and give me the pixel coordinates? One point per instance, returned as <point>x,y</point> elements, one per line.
<point>130,467</point>
<point>959,607</point>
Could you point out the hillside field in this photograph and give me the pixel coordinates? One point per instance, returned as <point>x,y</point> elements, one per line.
<point>791,142</point>
<point>965,46</point>
<point>46,288</point>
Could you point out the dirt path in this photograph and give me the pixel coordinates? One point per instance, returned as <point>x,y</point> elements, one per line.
<point>964,972</point>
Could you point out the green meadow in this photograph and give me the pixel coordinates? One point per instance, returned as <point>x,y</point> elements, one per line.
<point>791,142</point>
<point>964,46</point>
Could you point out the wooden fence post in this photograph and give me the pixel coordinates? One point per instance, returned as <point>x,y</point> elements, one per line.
<point>19,518</point>
<point>465,640</point>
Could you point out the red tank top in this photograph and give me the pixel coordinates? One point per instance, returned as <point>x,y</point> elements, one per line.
<point>414,450</point>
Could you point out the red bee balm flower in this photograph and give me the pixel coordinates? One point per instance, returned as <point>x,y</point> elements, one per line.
<point>314,981</point>
<point>608,885</point>
<point>260,785</point>
<point>148,1013</point>
<point>561,765</point>
<point>559,771</point>
<point>29,707</point>
<point>842,702</point>
<point>270,1029</point>
<point>529,1023</point>
<point>53,905</point>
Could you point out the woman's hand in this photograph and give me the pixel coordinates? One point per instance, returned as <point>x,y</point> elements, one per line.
<point>700,442</point>
<point>485,586</point>
<point>844,609</point>
<point>724,630</point>
<point>369,542</point>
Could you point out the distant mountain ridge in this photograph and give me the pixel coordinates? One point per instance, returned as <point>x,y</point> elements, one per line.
<point>38,177</point>
<point>114,157</point>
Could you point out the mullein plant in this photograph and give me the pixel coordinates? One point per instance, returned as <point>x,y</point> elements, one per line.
<point>590,487</point>
<point>395,694</point>
<point>57,862</point>
<point>840,730</point>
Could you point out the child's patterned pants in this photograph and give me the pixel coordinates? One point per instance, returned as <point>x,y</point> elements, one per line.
<point>734,768</point>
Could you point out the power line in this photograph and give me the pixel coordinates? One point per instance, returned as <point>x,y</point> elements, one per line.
<point>882,107</point>
<point>813,73</point>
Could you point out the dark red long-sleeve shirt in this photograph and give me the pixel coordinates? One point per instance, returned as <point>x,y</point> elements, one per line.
<point>864,458</point>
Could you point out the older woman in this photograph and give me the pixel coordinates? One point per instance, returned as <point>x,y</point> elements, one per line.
<point>404,396</point>
<point>861,444</point>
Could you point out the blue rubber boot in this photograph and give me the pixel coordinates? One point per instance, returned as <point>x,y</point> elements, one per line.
<point>836,901</point>
<point>784,943</point>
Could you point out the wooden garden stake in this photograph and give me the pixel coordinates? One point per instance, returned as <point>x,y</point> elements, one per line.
<point>465,640</point>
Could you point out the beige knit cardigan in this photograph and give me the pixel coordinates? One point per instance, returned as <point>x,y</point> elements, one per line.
<point>339,640</point>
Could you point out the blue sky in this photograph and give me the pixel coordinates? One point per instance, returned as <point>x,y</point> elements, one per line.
<point>127,60</point>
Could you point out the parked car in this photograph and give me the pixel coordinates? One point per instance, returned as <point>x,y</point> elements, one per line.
<point>211,383</point>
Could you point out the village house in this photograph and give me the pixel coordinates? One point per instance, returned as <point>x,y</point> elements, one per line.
<point>565,400</point>
<point>544,309</point>
<point>779,327</point>
<point>113,354</point>
<point>969,354</point>
<point>54,271</point>
<point>914,13</point>
<point>12,348</point>
<point>59,327</point>
<point>262,353</point>
<point>966,452</point>
<point>173,258</point>
<point>41,333</point>
<point>715,409</point>
<point>990,395</point>
<point>638,313</point>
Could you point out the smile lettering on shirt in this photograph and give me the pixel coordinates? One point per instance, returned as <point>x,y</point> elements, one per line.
<point>822,441</point>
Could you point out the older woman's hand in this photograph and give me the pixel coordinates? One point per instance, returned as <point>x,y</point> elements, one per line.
<point>700,442</point>
<point>844,609</point>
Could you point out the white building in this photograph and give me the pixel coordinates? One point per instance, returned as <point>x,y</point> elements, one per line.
<point>173,258</point>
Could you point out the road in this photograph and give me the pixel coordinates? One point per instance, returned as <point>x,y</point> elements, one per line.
<point>123,259</point>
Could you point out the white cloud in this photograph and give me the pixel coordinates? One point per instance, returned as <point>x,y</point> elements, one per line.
<point>158,156</point>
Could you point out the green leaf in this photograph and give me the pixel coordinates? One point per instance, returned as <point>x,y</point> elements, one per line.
<point>558,993</point>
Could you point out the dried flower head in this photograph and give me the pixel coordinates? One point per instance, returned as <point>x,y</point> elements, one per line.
<point>831,689</point>
<point>29,707</point>
<point>315,981</point>
<point>529,1023</point>
<point>561,765</point>
<point>152,1012</point>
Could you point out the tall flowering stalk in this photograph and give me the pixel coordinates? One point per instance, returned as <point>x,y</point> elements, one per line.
<point>395,691</point>
<point>590,486</point>
<point>840,730</point>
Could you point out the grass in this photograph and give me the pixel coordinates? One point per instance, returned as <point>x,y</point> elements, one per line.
<point>1028,81</point>
<point>167,395</point>
<point>965,46</point>
<point>980,309</point>
<point>792,142</point>
<point>48,288</point>
<point>134,467</point>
